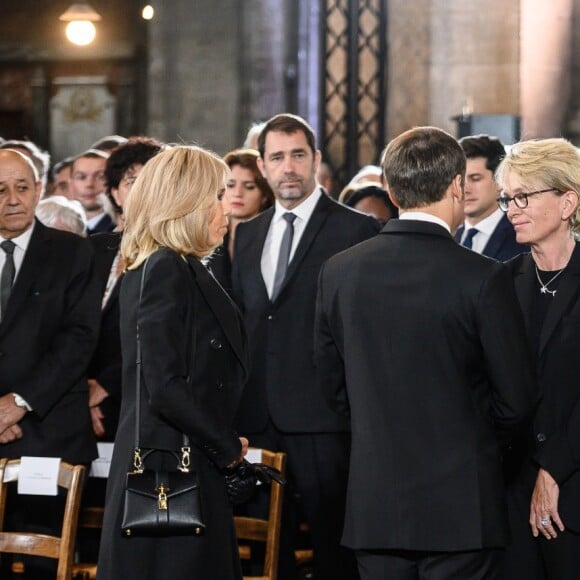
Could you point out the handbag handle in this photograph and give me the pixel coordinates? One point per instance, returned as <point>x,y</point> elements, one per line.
<point>138,456</point>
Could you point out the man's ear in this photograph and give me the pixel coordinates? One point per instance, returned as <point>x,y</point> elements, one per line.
<point>260,163</point>
<point>391,196</point>
<point>457,187</point>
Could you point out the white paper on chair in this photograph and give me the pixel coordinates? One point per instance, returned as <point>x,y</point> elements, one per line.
<point>38,475</point>
<point>101,466</point>
<point>254,455</point>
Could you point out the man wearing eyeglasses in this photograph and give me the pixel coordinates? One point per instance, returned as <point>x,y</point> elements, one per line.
<point>87,184</point>
<point>486,229</point>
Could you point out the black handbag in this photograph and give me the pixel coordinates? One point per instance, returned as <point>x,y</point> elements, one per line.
<point>160,502</point>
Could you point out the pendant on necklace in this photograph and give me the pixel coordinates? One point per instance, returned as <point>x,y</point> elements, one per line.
<point>544,290</point>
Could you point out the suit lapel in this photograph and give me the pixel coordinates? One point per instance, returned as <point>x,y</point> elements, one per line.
<point>317,219</point>
<point>222,307</point>
<point>525,285</point>
<point>497,238</point>
<point>262,223</point>
<point>35,259</point>
<point>568,290</point>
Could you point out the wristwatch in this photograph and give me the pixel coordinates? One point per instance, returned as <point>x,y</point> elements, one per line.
<point>20,402</point>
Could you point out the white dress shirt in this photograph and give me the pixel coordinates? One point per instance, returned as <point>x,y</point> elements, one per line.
<point>278,226</point>
<point>424,217</point>
<point>485,229</point>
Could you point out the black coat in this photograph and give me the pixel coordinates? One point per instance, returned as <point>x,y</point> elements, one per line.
<point>209,345</point>
<point>555,440</point>
<point>421,344</point>
<point>282,383</point>
<point>47,338</point>
<point>106,363</point>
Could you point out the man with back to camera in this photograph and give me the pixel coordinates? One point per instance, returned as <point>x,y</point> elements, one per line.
<point>49,311</point>
<point>486,229</point>
<point>277,258</point>
<point>421,344</point>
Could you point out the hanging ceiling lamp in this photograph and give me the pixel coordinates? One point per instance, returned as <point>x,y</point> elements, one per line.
<point>80,17</point>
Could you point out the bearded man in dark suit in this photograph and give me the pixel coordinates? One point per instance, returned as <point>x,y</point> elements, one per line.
<point>421,344</point>
<point>48,330</point>
<point>277,258</point>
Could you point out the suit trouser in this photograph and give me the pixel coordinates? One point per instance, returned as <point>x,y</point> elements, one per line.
<point>317,467</point>
<point>411,565</point>
<point>537,558</point>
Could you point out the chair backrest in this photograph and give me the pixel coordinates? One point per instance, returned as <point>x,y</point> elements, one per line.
<point>61,547</point>
<point>267,531</point>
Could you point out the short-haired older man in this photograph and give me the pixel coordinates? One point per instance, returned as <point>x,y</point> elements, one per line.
<point>49,311</point>
<point>421,344</point>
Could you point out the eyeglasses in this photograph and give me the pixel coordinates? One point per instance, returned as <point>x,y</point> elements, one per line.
<point>520,199</point>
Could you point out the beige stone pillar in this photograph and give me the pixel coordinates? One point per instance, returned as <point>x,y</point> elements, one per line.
<point>545,70</point>
<point>474,49</point>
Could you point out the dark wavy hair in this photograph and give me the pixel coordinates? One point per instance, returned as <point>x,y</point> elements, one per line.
<point>136,150</point>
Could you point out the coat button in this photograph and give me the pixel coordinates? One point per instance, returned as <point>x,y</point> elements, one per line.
<point>541,437</point>
<point>220,385</point>
<point>270,317</point>
<point>215,343</point>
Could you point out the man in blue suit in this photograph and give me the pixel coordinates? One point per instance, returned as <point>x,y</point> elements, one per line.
<point>486,229</point>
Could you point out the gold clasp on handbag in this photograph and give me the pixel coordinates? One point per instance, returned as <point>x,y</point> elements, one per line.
<point>162,497</point>
<point>185,461</point>
<point>137,461</point>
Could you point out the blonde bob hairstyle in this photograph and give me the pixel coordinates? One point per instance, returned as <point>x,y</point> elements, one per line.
<point>544,163</point>
<point>171,204</point>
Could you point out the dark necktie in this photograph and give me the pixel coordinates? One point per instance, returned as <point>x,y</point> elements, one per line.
<point>8,272</point>
<point>284,255</point>
<point>468,241</point>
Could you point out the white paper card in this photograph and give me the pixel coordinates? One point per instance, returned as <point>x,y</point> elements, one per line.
<point>254,455</point>
<point>38,475</point>
<point>101,466</point>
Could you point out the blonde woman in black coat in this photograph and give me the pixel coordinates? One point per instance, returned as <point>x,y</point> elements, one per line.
<point>188,327</point>
<point>541,184</point>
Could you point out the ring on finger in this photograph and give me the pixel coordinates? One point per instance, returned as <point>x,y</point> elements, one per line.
<point>545,521</point>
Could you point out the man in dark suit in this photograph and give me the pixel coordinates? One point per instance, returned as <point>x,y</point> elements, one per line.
<point>277,258</point>
<point>421,344</point>
<point>486,229</point>
<point>48,330</point>
<point>87,185</point>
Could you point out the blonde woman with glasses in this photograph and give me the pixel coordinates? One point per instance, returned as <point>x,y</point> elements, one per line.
<point>541,183</point>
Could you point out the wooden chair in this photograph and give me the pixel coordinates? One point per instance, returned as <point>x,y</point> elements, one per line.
<point>61,547</point>
<point>266,531</point>
<point>90,518</point>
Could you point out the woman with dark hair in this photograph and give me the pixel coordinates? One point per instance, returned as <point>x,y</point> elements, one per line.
<point>248,194</point>
<point>372,200</point>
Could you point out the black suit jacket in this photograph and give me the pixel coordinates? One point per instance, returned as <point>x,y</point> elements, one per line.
<point>106,363</point>
<point>282,384</point>
<point>502,243</point>
<point>105,224</point>
<point>188,326</point>
<point>555,442</point>
<point>421,343</point>
<point>47,338</point>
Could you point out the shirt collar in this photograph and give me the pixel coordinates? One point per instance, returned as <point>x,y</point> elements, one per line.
<point>303,210</point>
<point>487,225</point>
<point>23,239</point>
<point>95,220</point>
<point>424,217</point>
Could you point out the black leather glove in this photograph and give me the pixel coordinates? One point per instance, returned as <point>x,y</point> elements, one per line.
<point>241,482</point>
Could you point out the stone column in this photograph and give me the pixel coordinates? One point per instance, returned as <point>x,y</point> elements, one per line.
<point>193,80</point>
<point>474,49</point>
<point>545,70</point>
